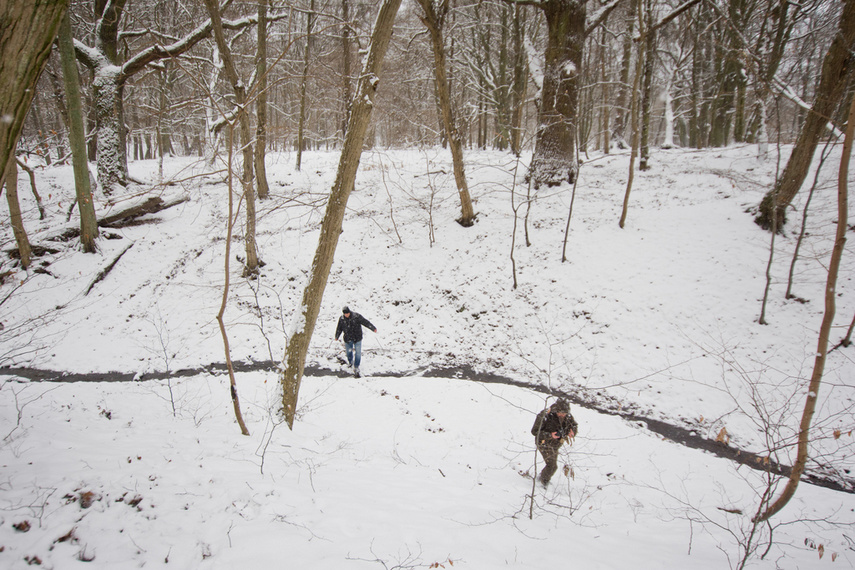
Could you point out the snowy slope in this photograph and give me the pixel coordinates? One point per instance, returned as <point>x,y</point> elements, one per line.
<point>400,469</point>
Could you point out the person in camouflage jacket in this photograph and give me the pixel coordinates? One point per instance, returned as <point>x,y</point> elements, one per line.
<point>552,427</point>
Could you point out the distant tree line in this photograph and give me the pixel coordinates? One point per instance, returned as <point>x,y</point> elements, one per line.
<point>720,72</point>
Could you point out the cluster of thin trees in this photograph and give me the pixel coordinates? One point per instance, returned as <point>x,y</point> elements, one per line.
<point>137,79</point>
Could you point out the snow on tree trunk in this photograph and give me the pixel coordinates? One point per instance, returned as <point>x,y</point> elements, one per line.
<point>304,321</point>
<point>112,169</point>
<point>554,159</point>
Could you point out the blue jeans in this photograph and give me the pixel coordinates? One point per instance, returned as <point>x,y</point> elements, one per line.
<point>353,350</point>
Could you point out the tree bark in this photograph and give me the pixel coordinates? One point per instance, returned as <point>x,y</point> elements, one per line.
<point>223,303</point>
<point>605,115</point>
<point>634,113</point>
<point>252,262</point>
<point>303,326</point>
<point>110,76</point>
<point>836,67</point>
<point>554,159</point>
<point>647,89</point>
<point>310,22</point>
<point>347,83</point>
<point>261,103</point>
<point>77,138</point>
<point>624,87</point>
<point>27,30</point>
<point>434,20</point>
<point>771,43</point>
<point>11,180</point>
<point>520,82</point>
<point>824,329</point>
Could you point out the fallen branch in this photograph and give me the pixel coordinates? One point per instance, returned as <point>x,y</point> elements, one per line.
<point>150,206</point>
<point>104,272</point>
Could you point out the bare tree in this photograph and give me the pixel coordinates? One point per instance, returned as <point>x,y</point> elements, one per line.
<point>554,159</point>
<point>435,12</point>
<point>27,30</point>
<point>310,23</point>
<point>112,72</point>
<point>642,45</point>
<point>222,311</point>
<point>239,89</point>
<point>646,28</point>
<point>303,326</point>
<point>825,328</point>
<point>77,138</point>
<point>261,102</point>
<point>836,67</point>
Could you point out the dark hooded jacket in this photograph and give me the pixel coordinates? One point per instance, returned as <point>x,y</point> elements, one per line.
<point>352,327</point>
<point>547,421</point>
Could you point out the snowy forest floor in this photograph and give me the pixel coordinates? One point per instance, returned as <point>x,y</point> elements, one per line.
<point>648,326</point>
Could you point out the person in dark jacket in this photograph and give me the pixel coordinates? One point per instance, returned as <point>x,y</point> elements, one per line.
<point>351,325</point>
<point>552,427</point>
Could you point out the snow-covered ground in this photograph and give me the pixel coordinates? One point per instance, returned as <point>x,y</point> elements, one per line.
<point>400,469</point>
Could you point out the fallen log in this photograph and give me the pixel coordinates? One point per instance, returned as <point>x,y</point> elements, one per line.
<point>150,206</point>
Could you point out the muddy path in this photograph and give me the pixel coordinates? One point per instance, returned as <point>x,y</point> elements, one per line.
<point>678,434</point>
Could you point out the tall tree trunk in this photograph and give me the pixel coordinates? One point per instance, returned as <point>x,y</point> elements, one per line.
<point>347,82</point>
<point>668,138</point>
<point>108,87</point>
<point>11,179</point>
<point>622,110</point>
<point>605,115</point>
<point>310,22</point>
<point>434,19</point>
<point>502,86</point>
<point>27,30</point>
<point>634,113</point>
<point>836,67</point>
<point>252,261</point>
<point>77,138</point>
<point>112,172</point>
<point>162,108</point>
<point>554,159</point>
<point>647,89</point>
<point>741,13</point>
<point>825,328</point>
<point>518,89</point>
<point>261,103</point>
<point>303,326</point>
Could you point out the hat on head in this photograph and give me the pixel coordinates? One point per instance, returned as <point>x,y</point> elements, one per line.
<point>560,405</point>
<point>345,310</point>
